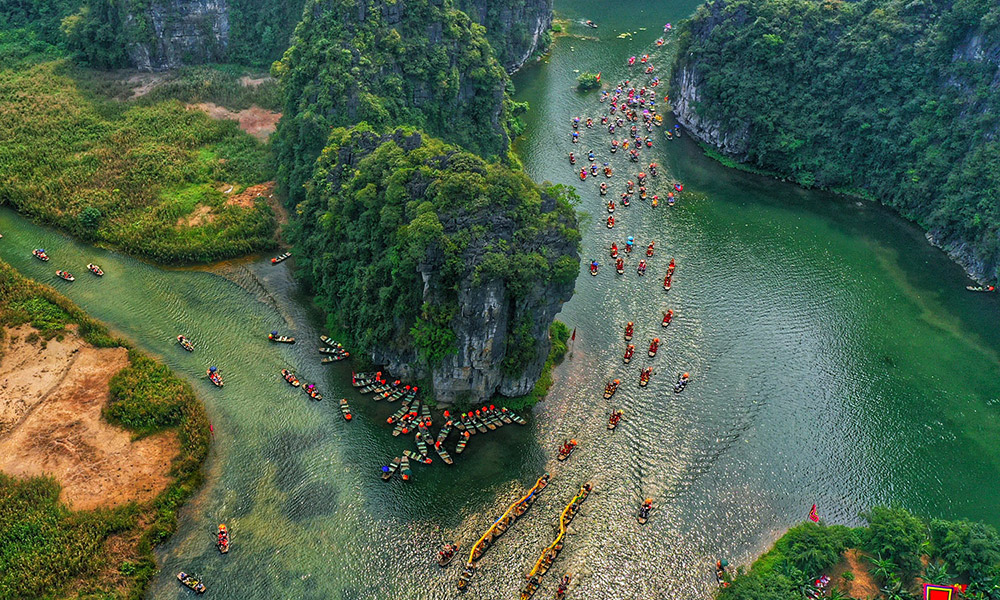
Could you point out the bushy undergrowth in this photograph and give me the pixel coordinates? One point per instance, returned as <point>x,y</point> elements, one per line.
<point>111,172</point>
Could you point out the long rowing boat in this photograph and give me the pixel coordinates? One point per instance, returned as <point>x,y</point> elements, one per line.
<point>552,550</point>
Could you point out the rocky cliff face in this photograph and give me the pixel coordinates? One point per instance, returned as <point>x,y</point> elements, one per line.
<point>516,29</point>
<point>172,33</point>
<point>730,139</point>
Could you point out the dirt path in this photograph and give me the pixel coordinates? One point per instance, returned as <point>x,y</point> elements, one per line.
<point>51,424</point>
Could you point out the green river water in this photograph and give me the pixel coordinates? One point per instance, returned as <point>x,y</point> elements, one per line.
<point>835,359</point>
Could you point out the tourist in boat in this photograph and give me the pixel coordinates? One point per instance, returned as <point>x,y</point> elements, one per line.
<point>678,187</point>
<point>572,159</point>
<point>611,222</point>
<point>576,122</point>
<point>604,188</point>
<point>652,169</point>
<point>620,266</point>
<point>641,270</point>
<point>576,137</point>
<point>629,351</point>
<point>607,170</point>
<point>590,156</point>
<point>670,199</point>
<point>629,243</point>
<point>668,317</point>
<point>590,123</point>
<point>583,174</point>
<point>649,249</point>
<point>654,346</point>
<point>593,170</point>
<point>655,201</point>
<point>671,267</point>
<point>611,206</point>
<point>682,381</point>
<point>629,328</point>
<point>641,177</point>
<point>593,267</point>
<point>614,250</point>
<point>644,510</point>
<point>626,199</point>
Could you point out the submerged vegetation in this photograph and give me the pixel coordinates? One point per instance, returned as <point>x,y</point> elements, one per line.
<point>891,98</point>
<point>149,179</point>
<point>899,551</point>
<point>46,548</point>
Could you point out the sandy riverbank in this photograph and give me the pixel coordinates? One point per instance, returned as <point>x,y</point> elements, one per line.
<point>51,397</point>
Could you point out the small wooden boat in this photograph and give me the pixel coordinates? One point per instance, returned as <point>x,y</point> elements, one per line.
<point>611,388</point>
<point>485,417</point>
<point>644,511</point>
<point>644,376</point>
<point>280,339</point>
<point>191,582</point>
<point>653,347</point>
<point>329,341</point>
<point>65,275</point>
<point>439,446</point>
<point>629,330</point>
<point>480,426</point>
<point>346,409</point>
<point>290,377</point>
<point>332,359</point>
<point>516,417</point>
<point>223,539</point>
<point>682,381</point>
<point>616,417</point>
<point>404,469</point>
<point>505,416</point>
<point>40,254</point>
<point>566,450</point>
<point>185,343</point>
<point>415,456</point>
<point>421,445</point>
<point>591,24</point>
<point>95,269</point>
<point>281,258</point>
<point>629,351</point>
<point>563,587</point>
<point>980,288</point>
<point>460,448</point>
<point>310,390</point>
<point>390,468</point>
<point>447,554</point>
<point>332,350</point>
<point>214,376</point>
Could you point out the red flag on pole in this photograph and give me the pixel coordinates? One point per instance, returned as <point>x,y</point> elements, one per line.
<point>573,337</point>
<point>812,514</point>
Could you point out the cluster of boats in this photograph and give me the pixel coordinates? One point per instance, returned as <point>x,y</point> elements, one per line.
<point>332,350</point>
<point>41,255</point>
<point>194,582</point>
<point>415,417</point>
<point>501,525</point>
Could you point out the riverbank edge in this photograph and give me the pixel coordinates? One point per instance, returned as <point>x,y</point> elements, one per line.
<point>958,250</point>
<point>152,523</point>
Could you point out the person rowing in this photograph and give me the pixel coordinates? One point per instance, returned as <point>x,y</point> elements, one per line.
<point>670,268</point>
<point>583,173</point>
<point>653,347</point>
<point>652,169</point>
<point>593,170</point>
<point>593,267</point>
<point>576,136</point>
<point>590,123</point>
<point>620,266</point>
<point>649,249</point>
<point>642,267</point>
<point>604,188</point>
<point>611,221</point>
<point>614,250</point>
<point>668,317</point>
<point>629,243</point>
<point>670,198</point>
<point>576,122</point>
<point>611,206</point>
<point>629,351</point>
<point>656,201</point>
<point>607,170</point>
<point>629,329</point>
<point>572,159</point>
<point>590,156</point>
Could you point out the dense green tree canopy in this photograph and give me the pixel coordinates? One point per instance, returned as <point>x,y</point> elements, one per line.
<point>414,62</point>
<point>383,212</point>
<point>892,99</point>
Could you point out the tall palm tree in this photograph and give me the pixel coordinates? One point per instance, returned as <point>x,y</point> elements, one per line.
<point>882,568</point>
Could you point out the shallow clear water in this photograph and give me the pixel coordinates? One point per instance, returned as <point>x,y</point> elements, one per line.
<point>835,359</point>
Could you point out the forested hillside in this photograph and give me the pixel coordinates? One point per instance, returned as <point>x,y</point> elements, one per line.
<point>412,62</point>
<point>440,264</point>
<point>889,99</point>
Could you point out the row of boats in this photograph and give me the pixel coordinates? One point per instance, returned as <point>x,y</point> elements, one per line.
<point>41,255</point>
<point>551,552</point>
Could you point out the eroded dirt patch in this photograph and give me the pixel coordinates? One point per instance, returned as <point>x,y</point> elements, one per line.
<point>199,216</point>
<point>248,196</point>
<point>256,121</point>
<point>51,404</point>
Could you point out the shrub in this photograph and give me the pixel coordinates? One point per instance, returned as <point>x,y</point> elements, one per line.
<point>90,218</point>
<point>588,81</point>
<point>895,534</point>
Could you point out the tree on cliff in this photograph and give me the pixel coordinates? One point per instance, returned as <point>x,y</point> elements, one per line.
<point>891,99</point>
<point>410,62</point>
<point>401,233</point>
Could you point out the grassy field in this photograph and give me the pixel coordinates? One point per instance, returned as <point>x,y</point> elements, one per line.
<point>148,176</point>
<point>48,550</point>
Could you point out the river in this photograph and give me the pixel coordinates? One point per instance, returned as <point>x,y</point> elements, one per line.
<point>835,360</point>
